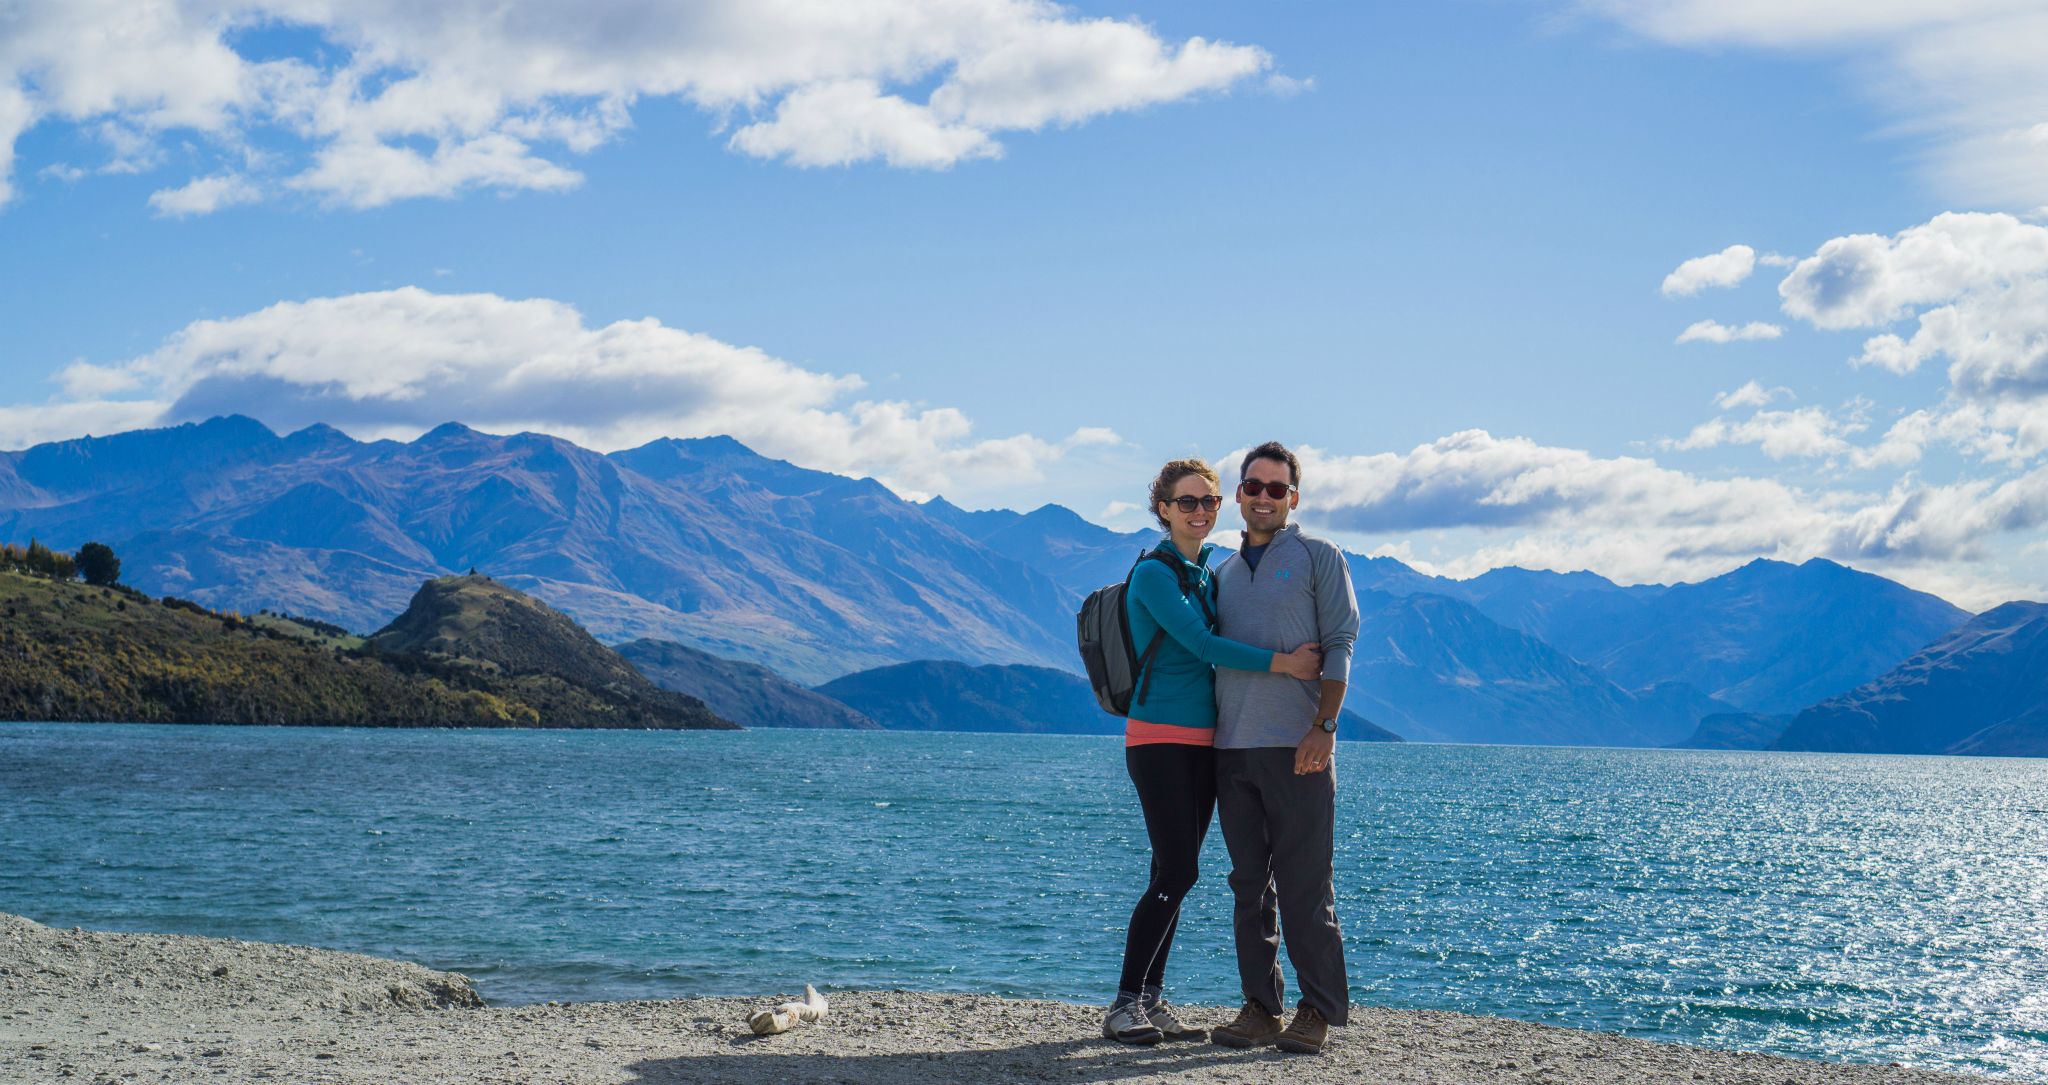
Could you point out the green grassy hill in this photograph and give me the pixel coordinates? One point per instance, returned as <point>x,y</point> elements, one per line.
<point>71,652</point>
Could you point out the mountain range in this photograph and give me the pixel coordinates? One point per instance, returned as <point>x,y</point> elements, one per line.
<point>816,576</point>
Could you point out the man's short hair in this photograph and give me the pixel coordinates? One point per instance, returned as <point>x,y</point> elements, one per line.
<point>1278,453</point>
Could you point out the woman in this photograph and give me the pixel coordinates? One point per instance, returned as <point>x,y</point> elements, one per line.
<point>1169,740</point>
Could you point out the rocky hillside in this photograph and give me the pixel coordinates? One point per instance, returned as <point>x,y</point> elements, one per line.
<point>69,652</point>
<point>1982,689</point>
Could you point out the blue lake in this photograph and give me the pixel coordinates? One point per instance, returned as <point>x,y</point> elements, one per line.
<point>1863,908</point>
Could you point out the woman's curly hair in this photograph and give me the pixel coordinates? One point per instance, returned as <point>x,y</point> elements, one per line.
<point>1170,476</point>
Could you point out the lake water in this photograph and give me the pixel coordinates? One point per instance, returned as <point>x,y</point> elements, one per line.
<point>1864,908</point>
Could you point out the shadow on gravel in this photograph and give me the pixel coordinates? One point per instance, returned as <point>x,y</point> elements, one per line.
<point>1077,1061</point>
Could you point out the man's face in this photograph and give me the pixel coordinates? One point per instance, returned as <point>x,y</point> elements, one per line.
<point>1263,512</point>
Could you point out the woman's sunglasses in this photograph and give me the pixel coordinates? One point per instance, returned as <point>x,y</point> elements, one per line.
<point>1274,490</point>
<point>1210,503</point>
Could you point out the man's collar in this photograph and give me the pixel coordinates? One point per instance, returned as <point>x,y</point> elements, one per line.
<point>1244,538</point>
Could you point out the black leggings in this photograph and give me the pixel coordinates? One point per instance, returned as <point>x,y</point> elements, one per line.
<point>1177,789</point>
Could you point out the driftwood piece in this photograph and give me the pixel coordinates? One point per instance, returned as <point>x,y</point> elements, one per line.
<point>786,1016</point>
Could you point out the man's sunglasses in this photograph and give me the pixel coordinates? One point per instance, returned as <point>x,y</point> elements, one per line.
<point>1275,490</point>
<point>1209,503</point>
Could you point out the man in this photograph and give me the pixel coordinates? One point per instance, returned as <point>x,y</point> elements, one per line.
<point>1276,786</point>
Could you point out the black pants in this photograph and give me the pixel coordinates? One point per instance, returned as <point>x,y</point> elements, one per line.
<point>1177,789</point>
<point>1280,830</point>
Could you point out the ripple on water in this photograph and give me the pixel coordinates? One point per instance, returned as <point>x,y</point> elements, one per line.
<point>1876,909</point>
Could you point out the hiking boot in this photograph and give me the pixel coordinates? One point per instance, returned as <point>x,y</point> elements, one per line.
<point>1254,1027</point>
<point>1170,1025</point>
<point>1126,1023</point>
<point>1307,1035</point>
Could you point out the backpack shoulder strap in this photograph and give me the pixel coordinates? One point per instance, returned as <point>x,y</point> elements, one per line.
<point>1146,659</point>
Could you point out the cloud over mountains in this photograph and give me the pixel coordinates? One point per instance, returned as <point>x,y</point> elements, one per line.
<point>395,363</point>
<point>392,101</point>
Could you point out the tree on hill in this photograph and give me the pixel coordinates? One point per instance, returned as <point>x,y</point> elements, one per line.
<point>40,560</point>
<point>97,563</point>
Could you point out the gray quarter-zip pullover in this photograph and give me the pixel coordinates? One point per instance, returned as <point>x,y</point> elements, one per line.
<point>1300,594</point>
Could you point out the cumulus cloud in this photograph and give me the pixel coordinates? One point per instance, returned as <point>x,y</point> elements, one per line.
<point>25,424</point>
<point>1963,75</point>
<point>204,195</point>
<point>1711,331</point>
<point>1751,394</point>
<point>836,124</point>
<point>1805,433</point>
<point>395,363</point>
<point>1867,280</point>
<point>1975,287</point>
<point>1725,268</point>
<point>1637,521</point>
<point>408,100</point>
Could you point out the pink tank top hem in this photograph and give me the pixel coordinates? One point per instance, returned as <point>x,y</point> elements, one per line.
<point>1140,733</point>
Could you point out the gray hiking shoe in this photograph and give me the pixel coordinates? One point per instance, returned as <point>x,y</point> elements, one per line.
<point>1127,1023</point>
<point>1170,1025</point>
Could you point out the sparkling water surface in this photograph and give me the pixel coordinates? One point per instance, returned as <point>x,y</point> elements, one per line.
<point>1847,907</point>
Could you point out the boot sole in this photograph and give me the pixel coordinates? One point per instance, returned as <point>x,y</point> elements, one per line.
<point>1231,1039</point>
<point>1298,1047</point>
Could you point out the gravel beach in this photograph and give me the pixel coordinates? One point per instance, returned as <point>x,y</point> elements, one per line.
<point>87,1006</point>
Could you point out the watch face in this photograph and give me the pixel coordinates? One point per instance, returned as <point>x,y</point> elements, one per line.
<point>1328,725</point>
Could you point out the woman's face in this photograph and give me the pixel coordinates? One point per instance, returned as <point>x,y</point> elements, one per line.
<point>1196,522</point>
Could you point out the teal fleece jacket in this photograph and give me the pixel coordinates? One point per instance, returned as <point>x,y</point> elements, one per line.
<point>1182,690</point>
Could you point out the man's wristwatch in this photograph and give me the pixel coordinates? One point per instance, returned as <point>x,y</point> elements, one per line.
<point>1329,726</point>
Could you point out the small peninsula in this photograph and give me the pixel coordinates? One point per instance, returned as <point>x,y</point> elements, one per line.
<point>467,652</point>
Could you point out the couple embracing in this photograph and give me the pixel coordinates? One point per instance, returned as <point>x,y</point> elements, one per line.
<point>1234,713</point>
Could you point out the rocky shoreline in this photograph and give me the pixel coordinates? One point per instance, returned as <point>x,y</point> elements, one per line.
<point>89,1006</point>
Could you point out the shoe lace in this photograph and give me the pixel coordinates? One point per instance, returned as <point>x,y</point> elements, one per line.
<point>1163,1016</point>
<point>1131,1015</point>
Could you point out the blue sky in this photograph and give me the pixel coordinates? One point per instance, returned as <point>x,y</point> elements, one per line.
<point>1014,253</point>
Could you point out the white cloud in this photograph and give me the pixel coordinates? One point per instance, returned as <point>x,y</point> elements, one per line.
<point>1636,521</point>
<point>1725,268</point>
<point>1805,433</point>
<point>836,124</point>
<point>365,173</point>
<point>204,196</point>
<point>1866,280</point>
<point>25,424</point>
<point>395,363</point>
<point>1976,288</point>
<point>1751,394</point>
<point>1060,71</point>
<point>1709,331</point>
<point>1964,75</point>
<point>16,114</point>
<point>407,100</point>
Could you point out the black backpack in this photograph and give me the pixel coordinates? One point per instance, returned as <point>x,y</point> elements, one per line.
<point>1121,676</point>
